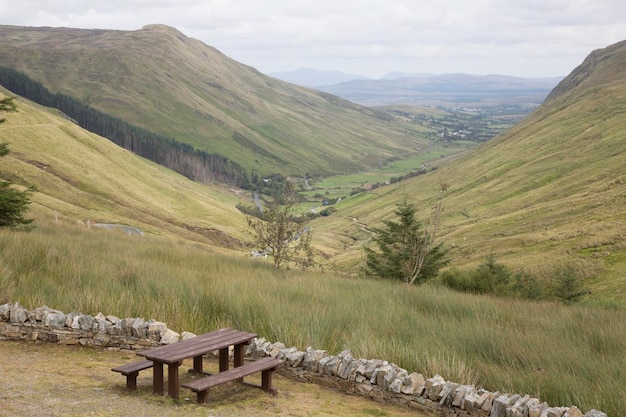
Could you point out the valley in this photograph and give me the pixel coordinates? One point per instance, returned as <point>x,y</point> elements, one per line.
<point>540,189</point>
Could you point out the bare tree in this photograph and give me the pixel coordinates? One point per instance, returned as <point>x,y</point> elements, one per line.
<point>279,231</point>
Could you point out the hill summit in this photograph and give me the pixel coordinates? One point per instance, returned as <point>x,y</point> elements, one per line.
<point>159,79</point>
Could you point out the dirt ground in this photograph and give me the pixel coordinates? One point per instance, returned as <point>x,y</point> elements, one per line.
<point>45,379</point>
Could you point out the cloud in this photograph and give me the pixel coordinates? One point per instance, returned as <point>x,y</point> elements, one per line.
<point>518,37</point>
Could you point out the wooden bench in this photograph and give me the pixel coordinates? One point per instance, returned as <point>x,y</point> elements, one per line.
<point>265,365</point>
<point>131,370</point>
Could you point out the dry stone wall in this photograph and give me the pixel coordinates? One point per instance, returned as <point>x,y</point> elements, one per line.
<point>376,379</point>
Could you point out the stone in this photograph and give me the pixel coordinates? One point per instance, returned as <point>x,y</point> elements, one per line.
<point>446,396</point>
<point>396,386</point>
<point>294,359</point>
<point>139,328</point>
<point>275,349</point>
<point>169,337</point>
<point>344,364</point>
<point>187,335</point>
<point>351,370</point>
<point>156,329</point>
<point>113,319</point>
<point>322,363</point>
<point>535,410</point>
<point>282,353</point>
<point>5,312</point>
<point>56,320</point>
<point>459,395</point>
<point>411,383</point>
<point>330,367</point>
<point>18,313</point>
<point>573,412</point>
<point>311,359</point>
<point>368,367</point>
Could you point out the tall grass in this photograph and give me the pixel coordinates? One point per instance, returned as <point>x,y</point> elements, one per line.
<point>564,355</point>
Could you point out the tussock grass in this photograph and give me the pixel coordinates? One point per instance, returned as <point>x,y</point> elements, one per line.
<point>564,355</point>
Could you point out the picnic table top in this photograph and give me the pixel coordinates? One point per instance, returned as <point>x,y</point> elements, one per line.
<point>197,346</point>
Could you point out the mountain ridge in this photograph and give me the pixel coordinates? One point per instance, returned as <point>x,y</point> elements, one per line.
<point>161,80</point>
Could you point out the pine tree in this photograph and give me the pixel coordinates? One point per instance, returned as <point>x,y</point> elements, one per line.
<point>406,252</point>
<point>13,203</point>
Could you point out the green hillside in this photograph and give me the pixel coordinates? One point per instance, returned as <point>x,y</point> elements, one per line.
<point>161,80</point>
<point>86,178</point>
<point>547,194</point>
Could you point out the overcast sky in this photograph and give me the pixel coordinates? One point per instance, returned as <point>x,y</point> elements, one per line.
<point>530,38</point>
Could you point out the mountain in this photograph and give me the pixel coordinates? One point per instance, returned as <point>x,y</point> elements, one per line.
<point>310,77</point>
<point>160,80</point>
<point>546,197</point>
<point>445,89</point>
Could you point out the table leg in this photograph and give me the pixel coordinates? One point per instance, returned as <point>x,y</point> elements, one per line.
<point>224,359</point>
<point>238,359</point>
<point>157,377</point>
<point>197,364</point>
<point>172,379</point>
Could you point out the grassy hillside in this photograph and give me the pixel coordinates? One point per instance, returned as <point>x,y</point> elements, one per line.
<point>84,177</point>
<point>547,194</point>
<point>563,355</point>
<point>159,79</point>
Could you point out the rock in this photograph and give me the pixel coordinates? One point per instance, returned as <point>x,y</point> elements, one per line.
<point>169,337</point>
<point>18,313</point>
<point>411,383</point>
<point>188,335</point>
<point>573,412</point>
<point>311,359</point>
<point>139,328</point>
<point>395,386</point>
<point>5,312</point>
<point>56,320</point>
<point>294,359</point>
<point>156,329</point>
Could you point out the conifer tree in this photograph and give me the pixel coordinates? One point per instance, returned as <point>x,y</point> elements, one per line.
<point>13,202</point>
<point>406,251</point>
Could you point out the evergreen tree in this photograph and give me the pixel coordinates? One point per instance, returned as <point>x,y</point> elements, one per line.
<point>405,251</point>
<point>13,203</point>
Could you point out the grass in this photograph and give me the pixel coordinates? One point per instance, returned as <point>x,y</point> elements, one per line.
<point>564,355</point>
<point>93,389</point>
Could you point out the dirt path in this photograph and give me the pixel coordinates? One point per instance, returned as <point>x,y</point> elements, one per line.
<point>45,379</point>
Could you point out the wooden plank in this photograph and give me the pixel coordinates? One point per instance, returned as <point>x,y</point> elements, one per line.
<point>198,345</point>
<point>249,368</point>
<point>133,367</point>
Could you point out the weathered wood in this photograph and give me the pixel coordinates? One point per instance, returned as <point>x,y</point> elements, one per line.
<point>265,365</point>
<point>172,355</point>
<point>131,370</point>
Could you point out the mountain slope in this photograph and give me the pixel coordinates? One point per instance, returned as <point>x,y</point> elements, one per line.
<point>84,177</point>
<point>547,194</point>
<point>161,80</point>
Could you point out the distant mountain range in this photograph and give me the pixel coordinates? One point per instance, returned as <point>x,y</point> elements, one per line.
<point>421,88</point>
<point>310,77</point>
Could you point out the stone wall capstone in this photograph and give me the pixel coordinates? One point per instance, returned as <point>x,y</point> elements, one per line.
<point>375,379</point>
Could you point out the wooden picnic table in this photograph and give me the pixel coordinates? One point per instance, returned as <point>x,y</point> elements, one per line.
<point>195,347</point>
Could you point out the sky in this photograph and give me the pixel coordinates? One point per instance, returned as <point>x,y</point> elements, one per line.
<point>527,38</point>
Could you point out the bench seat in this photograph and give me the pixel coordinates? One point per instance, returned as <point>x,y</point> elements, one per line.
<point>131,370</point>
<point>265,365</point>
